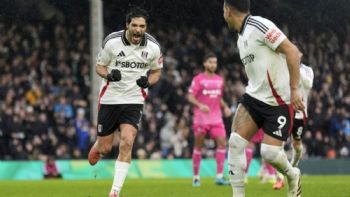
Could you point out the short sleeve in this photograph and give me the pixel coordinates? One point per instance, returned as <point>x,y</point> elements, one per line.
<point>272,36</point>
<point>307,76</point>
<point>103,57</point>
<point>195,86</point>
<point>157,61</point>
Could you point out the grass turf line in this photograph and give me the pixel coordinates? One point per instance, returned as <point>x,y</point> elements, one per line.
<point>312,186</point>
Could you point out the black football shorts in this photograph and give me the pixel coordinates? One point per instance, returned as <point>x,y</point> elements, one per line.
<point>298,128</point>
<point>276,121</point>
<point>111,116</point>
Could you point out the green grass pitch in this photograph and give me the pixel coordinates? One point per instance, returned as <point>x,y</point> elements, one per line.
<point>313,186</point>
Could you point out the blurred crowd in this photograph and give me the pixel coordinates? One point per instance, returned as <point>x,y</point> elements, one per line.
<point>45,91</point>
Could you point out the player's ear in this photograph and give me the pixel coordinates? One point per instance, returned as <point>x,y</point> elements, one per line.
<point>230,11</point>
<point>126,25</point>
<point>227,9</point>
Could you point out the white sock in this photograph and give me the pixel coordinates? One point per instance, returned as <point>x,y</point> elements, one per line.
<point>120,172</point>
<point>277,158</point>
<point>219,176</point>
<point>297,152</point>
<point>197,177</point>
<point>237,162</point>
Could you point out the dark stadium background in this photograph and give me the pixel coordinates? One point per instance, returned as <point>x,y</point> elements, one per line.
<point>325,14</point>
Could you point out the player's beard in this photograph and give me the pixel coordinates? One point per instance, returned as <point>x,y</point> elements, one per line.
<point>135,37</point>
<point>210,71</point>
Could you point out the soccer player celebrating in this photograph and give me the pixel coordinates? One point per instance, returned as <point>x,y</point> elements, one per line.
<point>205,94</point>
<point>271,62</point>
<point>123,63</point>
<point>307,78</point>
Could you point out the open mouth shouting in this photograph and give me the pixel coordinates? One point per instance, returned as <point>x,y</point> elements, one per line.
<point>136,38</point>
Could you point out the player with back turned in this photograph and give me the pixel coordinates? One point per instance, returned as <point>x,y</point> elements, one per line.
<point>271,62</point>
<point>300,120</point>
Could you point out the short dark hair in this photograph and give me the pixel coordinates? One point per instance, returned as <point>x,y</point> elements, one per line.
<point>136,12</point>
<point>240,5</point>
<point>208,55</point>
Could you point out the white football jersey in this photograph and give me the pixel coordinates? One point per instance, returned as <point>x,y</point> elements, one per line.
<point>133,61</point>
<point>306,81</point>
<point>267,70</point>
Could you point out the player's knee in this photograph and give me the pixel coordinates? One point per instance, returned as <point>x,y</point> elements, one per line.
<point>221,143</point>
<point>236,156</point>
<point>297,143</point>
<point>298,148</point>
<point>270,153</point>
<point>126,144</point>
<point>237,144</point>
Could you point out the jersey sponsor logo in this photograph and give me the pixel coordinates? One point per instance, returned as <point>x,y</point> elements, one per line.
<point>212,93</point>
<point>121,54</point>
<point>248,59</point>
<point>137,65</point>
<point>273,35</point>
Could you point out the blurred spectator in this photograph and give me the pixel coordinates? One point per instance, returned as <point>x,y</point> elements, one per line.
<point>81,125</point>
<point>50,169</point>
<point>64,108</point>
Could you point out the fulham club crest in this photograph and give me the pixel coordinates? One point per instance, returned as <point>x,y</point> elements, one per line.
<point>144,54</point>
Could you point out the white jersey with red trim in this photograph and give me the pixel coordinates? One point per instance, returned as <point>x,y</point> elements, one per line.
<point>133,61</point>
<point>267,70</point>
<point>306,81</point>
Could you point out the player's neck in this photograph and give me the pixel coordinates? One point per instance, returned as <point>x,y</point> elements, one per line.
<point>209,74</point>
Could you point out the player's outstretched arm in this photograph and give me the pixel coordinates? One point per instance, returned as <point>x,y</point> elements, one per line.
<point>293,57</point>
